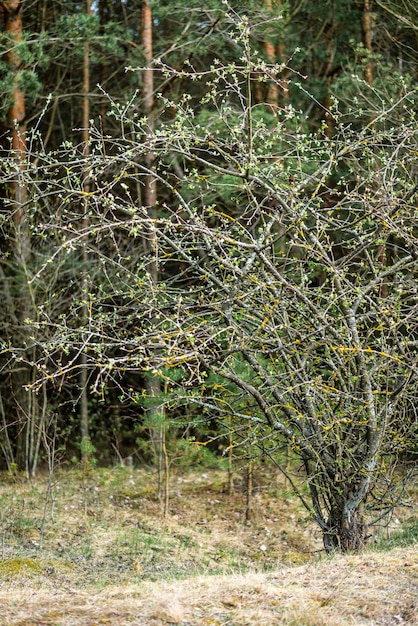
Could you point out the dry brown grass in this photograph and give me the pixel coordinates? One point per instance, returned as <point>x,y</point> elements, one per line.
<point>109,557</point>
<point>373,588</point>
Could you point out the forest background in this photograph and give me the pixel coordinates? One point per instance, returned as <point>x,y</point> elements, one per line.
<point>209,243</point>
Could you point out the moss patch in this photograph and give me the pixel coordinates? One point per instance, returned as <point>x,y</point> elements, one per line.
<point>17,567</point>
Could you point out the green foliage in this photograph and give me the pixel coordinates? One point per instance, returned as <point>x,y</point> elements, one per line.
<point>88,461</point>
<point>78,27</point>
<point>193,452</point>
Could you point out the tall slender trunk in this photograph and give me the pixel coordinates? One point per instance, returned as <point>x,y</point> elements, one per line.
<point>17,111</point>
<point>150,191</point>
<point>249,491</point>
<point>86,184</point>
<point>149,198</point>
<point>102,105</point>
<point>366,24</point>
<point>25,403</point>
<point>230,461</point>
<point>165,460</point>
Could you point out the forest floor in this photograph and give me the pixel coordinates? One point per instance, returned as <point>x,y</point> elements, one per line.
<point>93,548</point>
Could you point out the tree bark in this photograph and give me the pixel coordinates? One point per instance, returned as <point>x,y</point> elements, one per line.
<point>275,54</point>
<point>149,198</point>
<point>84,409</point>
<point>17,111</point>
<point>346,530</point>
<point>25,403</point>
<point>249,491</point>
<point>150,192</point>
<point>366,25</point>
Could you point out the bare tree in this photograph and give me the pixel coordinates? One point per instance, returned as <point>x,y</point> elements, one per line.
<point>270,307</point>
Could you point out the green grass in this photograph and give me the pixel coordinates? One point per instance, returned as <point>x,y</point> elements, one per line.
<point>407,535</point>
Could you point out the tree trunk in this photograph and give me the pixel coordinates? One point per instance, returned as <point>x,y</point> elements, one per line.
<point>249,491</point>
<point>25,403</point>
<point>338,502</point>
<point>346,530</point>
<point>149,198</point>
<point>17,111</point>
<point>275,54</point>
<point>150,192</point>
<point>84,409</point>
<point>366,25</point>
<point>272,96</point>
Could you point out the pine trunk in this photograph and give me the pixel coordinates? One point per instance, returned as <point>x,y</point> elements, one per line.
<point>26,403</point>
<point>367,40</point>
